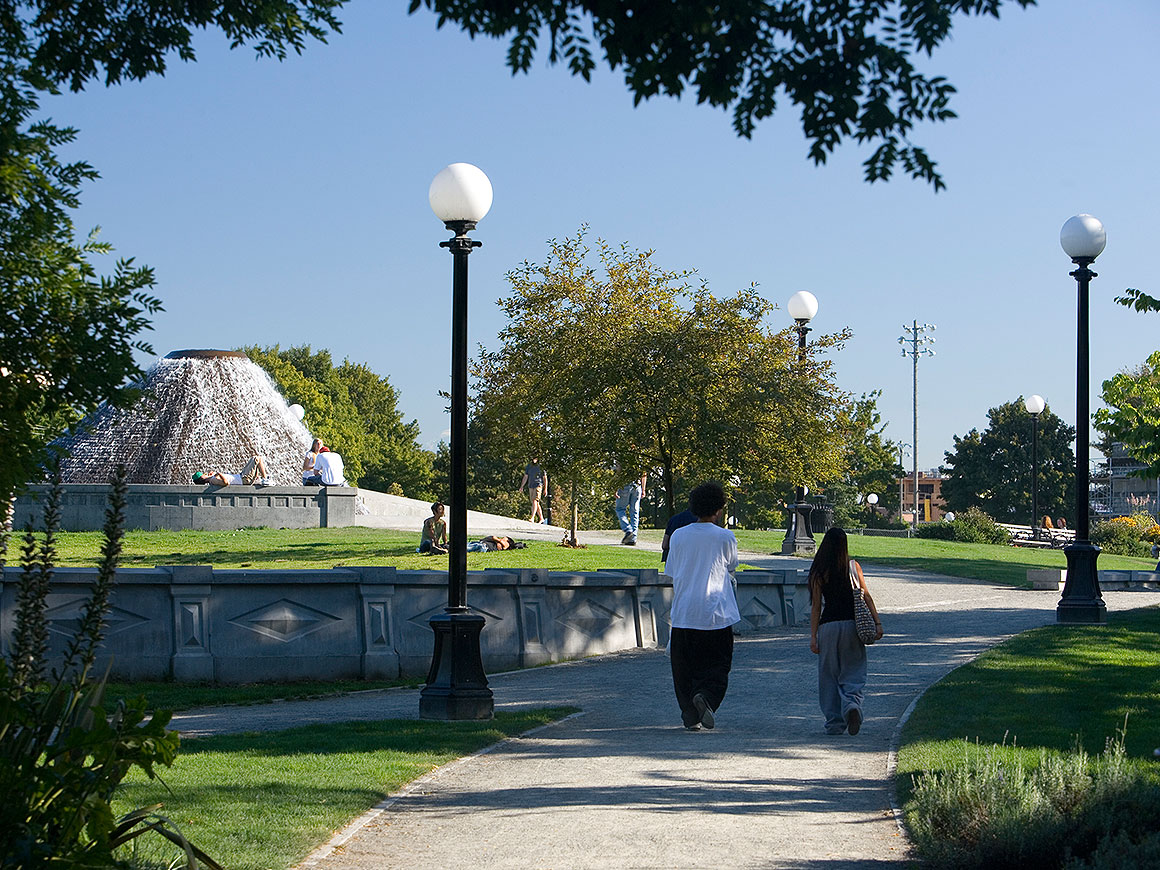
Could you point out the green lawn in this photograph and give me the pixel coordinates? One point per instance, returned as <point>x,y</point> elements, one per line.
<point>1045,688</point>
<point>990,562</point>
<point>184,696</point>
<point>328,548</point>
<point>265,801</point>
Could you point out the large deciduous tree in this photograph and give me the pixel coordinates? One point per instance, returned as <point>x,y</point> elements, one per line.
<point>355,411</point>
<point>1132,415</point>
<point>992,470</point>
<point>68,334</point>
<point>631,366</point>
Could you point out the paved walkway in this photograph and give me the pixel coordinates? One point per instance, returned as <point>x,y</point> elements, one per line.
<point>623,785</point>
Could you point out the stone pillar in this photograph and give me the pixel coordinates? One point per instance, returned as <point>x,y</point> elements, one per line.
<point>190,589</point>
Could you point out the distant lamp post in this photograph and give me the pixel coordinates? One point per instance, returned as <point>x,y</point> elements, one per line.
<point>1034,406</point>
<point>949,516</point>
<point>1083,239</point>
<point>456,685</point>
<point>872,500</point>
<point>799,540</point>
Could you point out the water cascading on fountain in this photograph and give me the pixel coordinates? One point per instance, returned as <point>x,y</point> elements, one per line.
<point>199,410</point>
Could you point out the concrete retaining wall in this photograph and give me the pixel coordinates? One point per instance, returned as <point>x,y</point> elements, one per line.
<point>236,626</point>
<point>206,508</point>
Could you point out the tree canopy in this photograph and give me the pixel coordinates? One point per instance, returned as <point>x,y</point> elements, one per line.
<point>870,465</point>
<point>354,411</point>
<point>847,67</point>
<point>68,335</point>
<point>630,366</point>
<point>992,470</point>
<point>1132,415</point>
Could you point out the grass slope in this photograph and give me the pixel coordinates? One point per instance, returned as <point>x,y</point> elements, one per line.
<point>265,801</point>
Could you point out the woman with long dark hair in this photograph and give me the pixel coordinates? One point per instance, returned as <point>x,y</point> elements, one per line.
<point>833,638</point>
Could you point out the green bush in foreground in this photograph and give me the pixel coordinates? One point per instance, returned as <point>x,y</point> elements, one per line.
<point>995,811</point>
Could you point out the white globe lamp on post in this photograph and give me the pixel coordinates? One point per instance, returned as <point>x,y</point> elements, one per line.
<point>1034,406</point>
<point>456,688</point>
<point>799,540</point>
<point>1083,239</point>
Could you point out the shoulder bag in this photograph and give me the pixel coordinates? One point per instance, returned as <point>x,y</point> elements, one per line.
<point>864,623</point>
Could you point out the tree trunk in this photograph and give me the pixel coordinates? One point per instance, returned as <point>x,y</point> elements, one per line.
<point>575,514</point>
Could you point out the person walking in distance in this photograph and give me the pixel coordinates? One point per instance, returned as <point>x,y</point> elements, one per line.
<point>535,481</point>
<point>628,508</point>
<point>833,636</point>
<point>702,559</point>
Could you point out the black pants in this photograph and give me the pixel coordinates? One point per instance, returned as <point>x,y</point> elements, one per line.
<point>701,662</point>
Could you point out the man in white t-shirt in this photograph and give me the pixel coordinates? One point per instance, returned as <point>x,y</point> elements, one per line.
<point>328,470</point>
<point>702,559</point>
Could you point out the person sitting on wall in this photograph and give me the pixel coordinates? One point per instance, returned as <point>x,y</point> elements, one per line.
<point>434,539</point>
<point>328,469</point>
<point>308,462</point>
<point>254,474</point>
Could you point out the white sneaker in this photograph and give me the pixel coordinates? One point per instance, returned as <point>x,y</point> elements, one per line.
<point>265,481</point>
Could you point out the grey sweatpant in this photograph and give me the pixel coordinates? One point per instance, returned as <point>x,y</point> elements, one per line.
<point>841,672</point>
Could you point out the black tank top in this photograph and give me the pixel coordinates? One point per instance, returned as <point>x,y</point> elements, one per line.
<point>837,598</point>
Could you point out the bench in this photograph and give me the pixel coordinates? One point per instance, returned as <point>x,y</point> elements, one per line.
<point>1025,536</point>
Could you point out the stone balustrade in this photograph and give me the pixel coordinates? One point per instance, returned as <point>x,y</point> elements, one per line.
<point>191,623</point>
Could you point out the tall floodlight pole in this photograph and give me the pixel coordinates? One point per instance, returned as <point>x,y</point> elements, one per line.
<point>916,336</point>
<point>1034,406</point>
<point>1083,239</point>
<point>799,540</point>
<point>456,685</point>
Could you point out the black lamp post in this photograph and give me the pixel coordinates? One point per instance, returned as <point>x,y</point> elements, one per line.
<point>1034,406</point>
<point>456,685</point>
<point>799,540</point>
<point>1083,239</point>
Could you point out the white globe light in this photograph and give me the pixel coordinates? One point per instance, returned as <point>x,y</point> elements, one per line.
<point>1083,236</point>
<point>460,192</point>
<point>1034,404</point>
<point>298,411</point>
<point>872,498</point>
<point>949,517</point>
<point>803,305</point>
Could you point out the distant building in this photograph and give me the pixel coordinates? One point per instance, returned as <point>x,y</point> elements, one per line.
<point>931,506</point>
<point>1126,494</point>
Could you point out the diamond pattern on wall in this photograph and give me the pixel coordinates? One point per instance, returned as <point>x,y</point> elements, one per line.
<point>284,620</point>
<point>66,618</point>
<point>759,615</point>
<point>590,618</point>
<point>423,620</point>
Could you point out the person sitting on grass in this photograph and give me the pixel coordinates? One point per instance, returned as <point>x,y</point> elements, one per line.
<point>254,474</point>
<point>434,537</point>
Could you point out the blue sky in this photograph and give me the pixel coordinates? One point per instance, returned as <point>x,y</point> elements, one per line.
<point>287,203</point>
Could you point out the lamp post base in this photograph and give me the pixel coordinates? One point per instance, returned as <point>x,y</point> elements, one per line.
<point>1082,602</point>
<point>798,541</point>
<point>456,684</point>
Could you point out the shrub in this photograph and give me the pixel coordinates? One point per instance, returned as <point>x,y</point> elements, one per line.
<point>972,526</point>
<point>1124,535</point>
<point>63,748</point>
<point>995,812</point>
